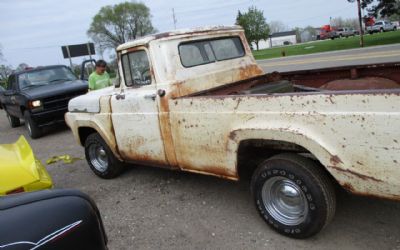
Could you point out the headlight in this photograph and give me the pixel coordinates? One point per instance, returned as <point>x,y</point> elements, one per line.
<point>35,104</point>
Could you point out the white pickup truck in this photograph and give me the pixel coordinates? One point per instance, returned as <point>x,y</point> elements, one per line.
<point>381,26</point>
<point>196,100</point>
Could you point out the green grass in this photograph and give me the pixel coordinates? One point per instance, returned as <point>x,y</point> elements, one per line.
<point>329,45</point>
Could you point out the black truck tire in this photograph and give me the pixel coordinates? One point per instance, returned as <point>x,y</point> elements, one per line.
<point>293,195</point>
<point>14,121</point>
<point>101,159</point>
<point>33,130</point>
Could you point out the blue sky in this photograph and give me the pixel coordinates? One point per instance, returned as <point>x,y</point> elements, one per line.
<point>32,31</point>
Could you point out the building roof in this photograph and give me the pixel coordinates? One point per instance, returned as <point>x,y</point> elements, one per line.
<point>285,33</point>
<point>175,33</point>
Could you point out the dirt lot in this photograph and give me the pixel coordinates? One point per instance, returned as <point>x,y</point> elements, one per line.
<point>149,208</point>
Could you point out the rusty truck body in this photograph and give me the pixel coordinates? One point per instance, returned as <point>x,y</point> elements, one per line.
<point>196,100</point>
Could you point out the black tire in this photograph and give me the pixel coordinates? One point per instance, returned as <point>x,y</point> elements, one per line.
<point>100,158</point>
<point>301,177</point>
<point>33,130</point>
<point>13,121</point>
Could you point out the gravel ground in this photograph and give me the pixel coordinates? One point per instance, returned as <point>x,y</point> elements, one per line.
<point>150,208</point>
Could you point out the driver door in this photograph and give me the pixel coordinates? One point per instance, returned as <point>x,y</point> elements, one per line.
<point>135,112</point>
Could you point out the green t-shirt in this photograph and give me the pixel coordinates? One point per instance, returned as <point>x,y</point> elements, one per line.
<point>97,81</point>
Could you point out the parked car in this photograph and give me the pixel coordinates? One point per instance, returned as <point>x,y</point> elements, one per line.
<point>20,171</point>
<point>343,32</point>
<point>40,96</point>
<point>51,219</point>
<point>381,26</point>
<point>196,101</point>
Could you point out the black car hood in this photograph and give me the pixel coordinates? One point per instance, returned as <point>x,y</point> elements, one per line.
<point>55,89</point>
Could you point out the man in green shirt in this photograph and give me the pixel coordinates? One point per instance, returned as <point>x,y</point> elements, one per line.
<point>99,78</point>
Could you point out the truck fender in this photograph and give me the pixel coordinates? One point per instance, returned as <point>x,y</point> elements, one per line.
<point>328,159</point>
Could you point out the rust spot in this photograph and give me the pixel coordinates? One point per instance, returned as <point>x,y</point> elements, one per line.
<point>232,136</point>
<point>335,160</point>
<point>237,104</point>
<point>361,176</point>
<point>348,187</point>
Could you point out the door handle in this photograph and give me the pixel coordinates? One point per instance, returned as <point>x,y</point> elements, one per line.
<point>152,97</point>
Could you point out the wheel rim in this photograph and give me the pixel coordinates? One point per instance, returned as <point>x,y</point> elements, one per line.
<point>28,126</point>
<point>284,201</point>
<point>9,119</point>
<point>98,157</point>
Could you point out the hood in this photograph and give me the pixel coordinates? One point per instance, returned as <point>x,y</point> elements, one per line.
<point>55,89</point>
<point>19,168</point>
<point>90,102</point>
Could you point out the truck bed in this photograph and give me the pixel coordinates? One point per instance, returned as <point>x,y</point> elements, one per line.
<point>348,78</point>
<point>359,125</point>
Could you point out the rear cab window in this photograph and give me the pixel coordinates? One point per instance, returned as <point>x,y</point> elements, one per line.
<point>136,68</point>
<point>202,52</point>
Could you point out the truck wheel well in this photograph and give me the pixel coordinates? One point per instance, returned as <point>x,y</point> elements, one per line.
<point>84,132</point>
<point>252,152</point>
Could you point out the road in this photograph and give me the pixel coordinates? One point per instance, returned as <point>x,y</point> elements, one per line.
<point>150,208</point>
<point>379,54</point>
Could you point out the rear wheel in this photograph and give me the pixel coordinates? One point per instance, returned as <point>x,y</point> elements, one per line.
<point>293,195</point>
<point>100,157</point>
<point>33,130</point>
<point>13,121</point>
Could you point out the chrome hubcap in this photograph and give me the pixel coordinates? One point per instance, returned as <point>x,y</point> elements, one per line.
<point>284,201</point>
<point>28,126</point>
<point>98,157</point>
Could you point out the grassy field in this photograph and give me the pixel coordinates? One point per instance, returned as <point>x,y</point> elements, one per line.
<point>329,45</point>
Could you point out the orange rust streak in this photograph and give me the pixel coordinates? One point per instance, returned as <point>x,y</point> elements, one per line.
<point>361,176</point>
<point>350,188</point>
<point>166,133</point>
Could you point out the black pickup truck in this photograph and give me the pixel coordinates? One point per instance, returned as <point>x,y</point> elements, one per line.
<point>40,96</point>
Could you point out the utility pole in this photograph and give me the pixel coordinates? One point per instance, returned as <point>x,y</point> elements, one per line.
<point>360,23</point>
<point>174,18</point>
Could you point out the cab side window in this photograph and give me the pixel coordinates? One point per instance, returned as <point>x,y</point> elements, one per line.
<point>136,68</point>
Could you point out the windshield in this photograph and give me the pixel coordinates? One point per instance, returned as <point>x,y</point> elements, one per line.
<point>44,77</point>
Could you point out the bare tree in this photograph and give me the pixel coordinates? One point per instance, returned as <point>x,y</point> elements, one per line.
<point>5,72</point>
<point>277,26</point>
<point>348,22</point>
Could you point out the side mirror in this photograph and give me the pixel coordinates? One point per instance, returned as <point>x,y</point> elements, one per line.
<point>9,92</point>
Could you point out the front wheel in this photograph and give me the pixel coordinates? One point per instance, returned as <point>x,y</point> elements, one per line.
<point>33,130</point>
<point>293,195</point>
<point>100,157</point>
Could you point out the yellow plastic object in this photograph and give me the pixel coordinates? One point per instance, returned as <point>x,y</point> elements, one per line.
<point>66,158</point>
<point>20,170</point>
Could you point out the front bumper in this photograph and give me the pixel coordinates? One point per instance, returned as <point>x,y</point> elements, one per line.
<point>49,117</point>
